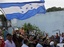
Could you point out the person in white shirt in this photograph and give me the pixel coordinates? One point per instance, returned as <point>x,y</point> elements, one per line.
<point>60,45</point>
<point>25,43</point>
<point>9,42</point>
<point>61,39</point>
<point>39,44</point>
<point>52,44</point>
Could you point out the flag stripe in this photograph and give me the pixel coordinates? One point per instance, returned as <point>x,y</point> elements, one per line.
<point>20,1</point>
<point>22,9</point>
<point>3,5</point>
<point>26,15</point>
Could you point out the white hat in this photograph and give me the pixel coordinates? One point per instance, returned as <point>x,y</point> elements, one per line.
<point>16,29</point>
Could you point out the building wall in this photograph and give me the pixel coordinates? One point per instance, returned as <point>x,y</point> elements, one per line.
<point>48,22</point>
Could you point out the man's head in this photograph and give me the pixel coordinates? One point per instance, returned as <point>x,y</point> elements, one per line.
<point>56,34</point>
<point>22,28</point>
<point>26,42</point>
<point>16,30</point>
<point>9,36</point>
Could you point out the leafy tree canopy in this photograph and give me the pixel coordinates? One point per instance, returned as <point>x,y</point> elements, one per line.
<point>54,9</point>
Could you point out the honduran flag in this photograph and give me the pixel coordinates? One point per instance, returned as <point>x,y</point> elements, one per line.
<point>21,9</point>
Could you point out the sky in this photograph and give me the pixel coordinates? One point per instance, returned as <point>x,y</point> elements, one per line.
<point>48,3</point>
<point>51,3</point>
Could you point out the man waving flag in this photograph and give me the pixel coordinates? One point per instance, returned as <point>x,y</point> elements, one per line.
<point>21,9</point>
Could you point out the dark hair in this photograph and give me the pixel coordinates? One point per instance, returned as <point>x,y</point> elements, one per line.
<point>8,35</point>
<point>25,41</point>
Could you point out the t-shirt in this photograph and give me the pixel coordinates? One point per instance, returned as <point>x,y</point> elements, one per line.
<point>39,45</point>
<point>24,45</point>
<point>9,44</point>
<point>2,44</point>
<point>60,44</point>
<point>51,43</point>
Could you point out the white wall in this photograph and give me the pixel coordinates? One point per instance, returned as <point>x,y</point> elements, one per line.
<point>46,22</point>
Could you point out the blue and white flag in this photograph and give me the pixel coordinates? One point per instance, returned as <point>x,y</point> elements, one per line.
<point>22,10</point>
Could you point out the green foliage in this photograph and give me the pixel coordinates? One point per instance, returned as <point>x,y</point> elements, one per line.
<point>2,17</point>
<point>28,26</point>
<point>3,20</point>
<point>54,9</point>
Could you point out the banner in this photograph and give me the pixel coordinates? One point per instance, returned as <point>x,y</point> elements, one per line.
<point>22,10</point>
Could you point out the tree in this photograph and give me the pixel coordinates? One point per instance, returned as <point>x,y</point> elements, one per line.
<point>3,20</point>
<point>54,9</point>
<point>28,27</point>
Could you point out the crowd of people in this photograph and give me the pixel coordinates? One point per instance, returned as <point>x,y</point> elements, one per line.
<point>21,39</point>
